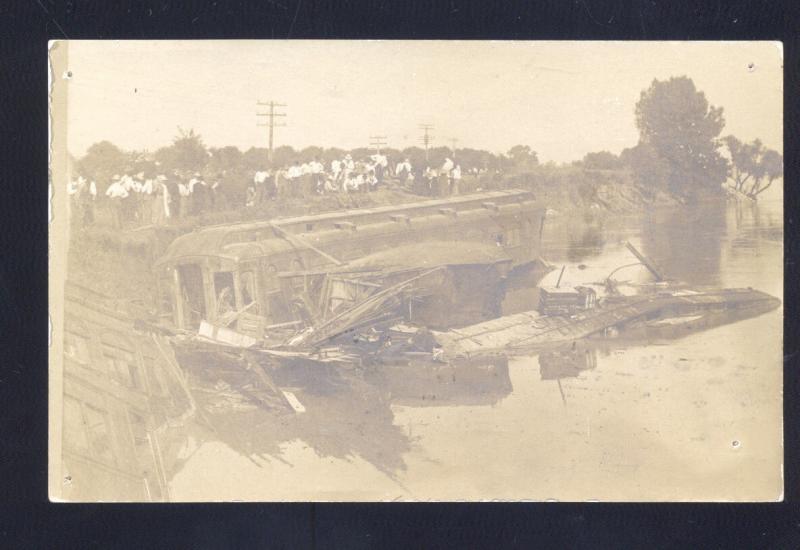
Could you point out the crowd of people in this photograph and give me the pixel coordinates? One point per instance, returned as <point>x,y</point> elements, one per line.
<point>154,199</point>
<point>141,200</point>
<point>348,176</point>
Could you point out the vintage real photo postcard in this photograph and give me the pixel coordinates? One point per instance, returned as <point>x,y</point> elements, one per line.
<point>415,271</point>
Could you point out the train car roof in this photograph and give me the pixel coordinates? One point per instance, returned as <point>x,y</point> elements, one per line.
<point>236,240</point>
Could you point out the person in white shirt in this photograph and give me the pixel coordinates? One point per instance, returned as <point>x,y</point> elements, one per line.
<point>316,166</point>
<point>136,185</point>
<point>89,202</point>
<point>214,195</point>
<point>353,182</point>
<point>428,177</point>
<point>294,171</point>
<point>403,168</point>
<point>304,183</point>
<point>159,201</point>
<point>127,182</point>
<point>447,166</point>
<point>168,200</point>
<point>293,179</point>
<point>199,193</point>
<point>263,186</point>
<point>145,206</point>
<point>117,189</point>
<point>317,171</point>
<point>185,196</point>
<point>380,162</point>
<point>117,193</point>
<point>260,177</point>
<point>455,179</point>
<point>336,168</point>
<point>147,187</point>
<point>410,180</point>
<point>348,164</point>
<point>359,182</point>
<point>127,202</point>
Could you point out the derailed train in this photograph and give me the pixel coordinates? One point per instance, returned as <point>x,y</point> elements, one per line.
<point>298,271</point>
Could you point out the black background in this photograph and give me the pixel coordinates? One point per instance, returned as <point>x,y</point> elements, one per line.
<point>27,520</point>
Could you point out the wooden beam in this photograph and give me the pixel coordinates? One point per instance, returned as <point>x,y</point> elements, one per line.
<point>299,241</point>
<point>645,261</point>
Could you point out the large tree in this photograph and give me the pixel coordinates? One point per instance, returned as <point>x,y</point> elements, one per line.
<point>310,153</point>
<point>523,157</point>
<point>283,156</point>
<point>772,161</point>
<point>102,161</point>
<point>682,128</point>
<point>255,159</point>
<point>648,168</point>
<point>186,154</point>
<point>332,153</point>
<point>475,158</point>
<point>601,160</point>
<point>753,167</point>
<point>226,167</point>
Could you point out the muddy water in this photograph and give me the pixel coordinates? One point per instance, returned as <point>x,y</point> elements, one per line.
<point>697,418</point>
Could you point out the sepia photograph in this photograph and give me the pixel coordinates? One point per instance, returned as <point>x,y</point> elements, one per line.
<point>365,270</point>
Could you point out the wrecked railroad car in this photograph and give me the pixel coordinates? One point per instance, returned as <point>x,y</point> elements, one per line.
<point>253,276</point>
<point>124,400</point>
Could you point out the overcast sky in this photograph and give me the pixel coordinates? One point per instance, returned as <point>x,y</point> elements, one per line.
<point>564,99</point>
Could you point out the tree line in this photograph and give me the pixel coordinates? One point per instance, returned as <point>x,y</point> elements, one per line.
<point>681,150</point>
<point>188,155</point>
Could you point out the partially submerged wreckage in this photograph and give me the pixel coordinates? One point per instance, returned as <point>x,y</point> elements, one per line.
<point>125,398</point>
<point>444,280</point>
<point>299,282</point>
<point>438,279</point>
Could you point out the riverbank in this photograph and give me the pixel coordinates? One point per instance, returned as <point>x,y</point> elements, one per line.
<point>572,188</point>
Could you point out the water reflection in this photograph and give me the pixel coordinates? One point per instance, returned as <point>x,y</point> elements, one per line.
<point>429,384</point>
<point>341,412</point>
<point>687,241</point>
<point>586,239</point>
<point>567,363</point>
<point>753,226</point>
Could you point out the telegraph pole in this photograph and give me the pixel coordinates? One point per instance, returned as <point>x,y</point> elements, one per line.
<point>271,122</point>
<point>454,141</point>
<point>426,137</point>
<point>377,142</point>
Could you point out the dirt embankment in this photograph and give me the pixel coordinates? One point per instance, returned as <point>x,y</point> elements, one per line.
<point>571,189</point>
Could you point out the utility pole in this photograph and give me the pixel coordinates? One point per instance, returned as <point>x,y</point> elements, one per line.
<point>454,141</point>
<point>426,137</point>
<point>377,142</point>
<point>271,123</point>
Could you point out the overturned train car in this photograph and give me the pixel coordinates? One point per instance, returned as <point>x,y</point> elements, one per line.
<point>264,272</point>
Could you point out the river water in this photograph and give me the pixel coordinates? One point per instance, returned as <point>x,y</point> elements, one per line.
<point>695,418</point>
